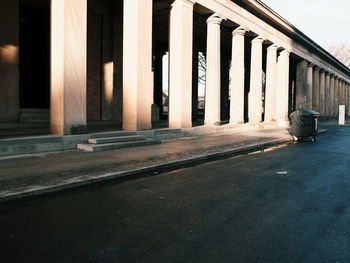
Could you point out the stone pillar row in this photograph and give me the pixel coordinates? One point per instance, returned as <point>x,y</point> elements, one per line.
<point>315,88</point>
<point>180,62</point>
<point>319,90</point>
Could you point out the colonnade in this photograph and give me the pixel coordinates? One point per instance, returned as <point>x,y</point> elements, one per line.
<point>315,88</point>
<point>277,75</point>
<point>321,90</point>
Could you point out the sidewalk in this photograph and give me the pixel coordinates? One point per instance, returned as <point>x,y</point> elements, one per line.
<point>35,174</point>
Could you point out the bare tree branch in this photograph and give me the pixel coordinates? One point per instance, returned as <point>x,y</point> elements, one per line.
<point>341,52</point>
<point>202,66</point>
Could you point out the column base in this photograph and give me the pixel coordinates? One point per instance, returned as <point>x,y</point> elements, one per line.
<point>180,125</point>
<point>212,123</point>
<point>283,123</point>
<point>68,129</point>
<point>135,127</point>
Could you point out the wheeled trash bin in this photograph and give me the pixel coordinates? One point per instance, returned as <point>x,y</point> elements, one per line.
<point>304,125</point>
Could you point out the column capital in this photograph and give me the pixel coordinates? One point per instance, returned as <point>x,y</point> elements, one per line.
<point>285,53</point>
<point>189,3</point>
<point>239,31</point>
<point>272,47</point>
<point>215,19</point>
<point>310,65</point>
<point>258,39</point>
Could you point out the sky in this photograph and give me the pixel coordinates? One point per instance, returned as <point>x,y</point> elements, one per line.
<point>326,22</point>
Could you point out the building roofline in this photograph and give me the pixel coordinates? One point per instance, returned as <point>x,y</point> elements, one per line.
<point>259,8</point>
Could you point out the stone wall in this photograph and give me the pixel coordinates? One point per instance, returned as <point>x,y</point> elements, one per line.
<point>9,75</point>
<point>94,67</point>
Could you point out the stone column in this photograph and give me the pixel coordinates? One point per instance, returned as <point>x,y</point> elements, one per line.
<point>180,56</point>
<point>68,66</point>
<point>301,85</point>
<point>237,75</point>
<point>341,92</point>
<point>332,97</point>
<point>316,89</point>
<point>282,93</point>
<point>9,59</point>
<point>345,87</point>
<point>336,97</point>
<point>309,86</point>
<point>271,77</point>
<point>347,98</point>
<point>256,73</point>
<point>327,94</point>
<point>137,65</point>
<point>322,93</point>
<point>213,77</point>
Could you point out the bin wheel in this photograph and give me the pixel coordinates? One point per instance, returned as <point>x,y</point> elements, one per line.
<point>313,139</point>
<point>295,138</point>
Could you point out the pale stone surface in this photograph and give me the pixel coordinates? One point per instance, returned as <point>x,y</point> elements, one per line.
<point>271,77</point>
<point>256,79</point>
<point>341,114</point>
<point>108,93</point>
<point>9,74</point>
<point>180,57</point>
<point>301,85</point>
<point>309,86</point>
<point>213,79</point>
<point>316,90</point>
<point>322,93</point>
<point>282,89</point>
<point>237,77</point>
<point>68,66</point>
<point>137,65</point>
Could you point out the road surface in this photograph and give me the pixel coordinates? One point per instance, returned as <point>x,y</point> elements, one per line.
<point>286,205</point>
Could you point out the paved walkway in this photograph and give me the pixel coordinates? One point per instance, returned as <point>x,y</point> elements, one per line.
<point>35,174</point>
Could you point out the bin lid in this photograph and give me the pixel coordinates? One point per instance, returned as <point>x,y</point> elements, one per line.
<point>305,113</point>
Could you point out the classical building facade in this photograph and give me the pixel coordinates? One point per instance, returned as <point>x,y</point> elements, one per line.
<point>102,60</point>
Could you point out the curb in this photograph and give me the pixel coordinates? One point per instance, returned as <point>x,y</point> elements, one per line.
<point>143,171</point>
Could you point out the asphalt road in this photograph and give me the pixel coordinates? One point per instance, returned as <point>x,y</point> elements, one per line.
<point>286,205</point>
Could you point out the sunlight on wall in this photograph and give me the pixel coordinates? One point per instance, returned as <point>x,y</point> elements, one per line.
<point>9,54</point>
<point>108,69</point>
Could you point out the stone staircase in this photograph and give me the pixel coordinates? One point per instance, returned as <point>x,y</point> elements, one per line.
<point>116,140</point>
<point>35,116</point>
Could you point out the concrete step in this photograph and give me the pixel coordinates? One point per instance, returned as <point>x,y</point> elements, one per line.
<point>112,134</point>
<point>117,145</point>
<point>116,139</point>
<point>35,119</point>
<point>28,145</point>
<point>35,110</point>
<point>34,115</point>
